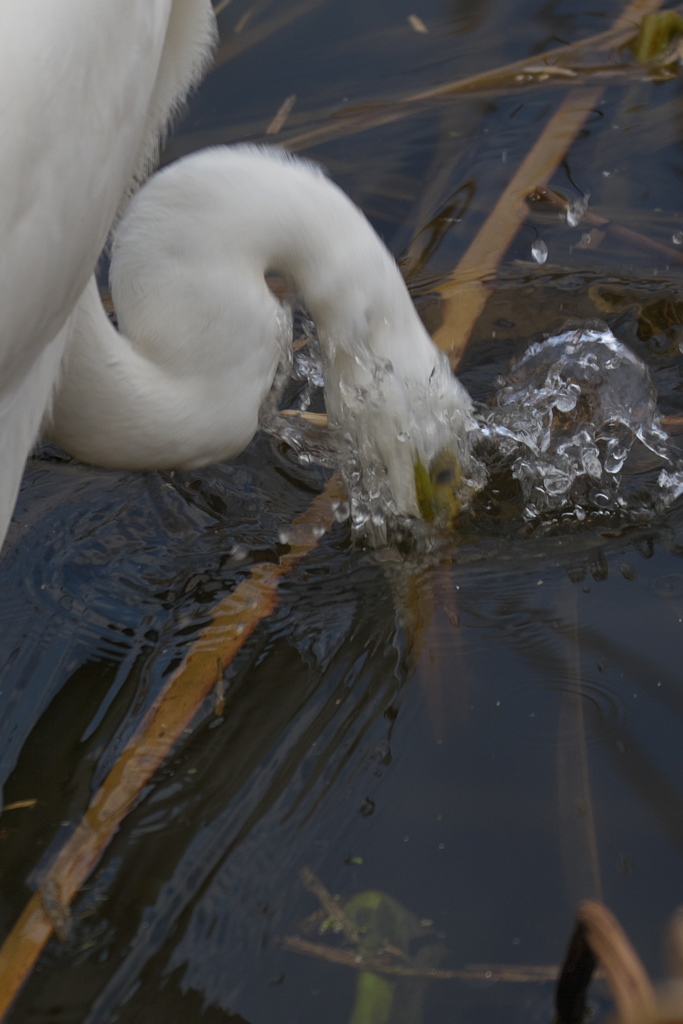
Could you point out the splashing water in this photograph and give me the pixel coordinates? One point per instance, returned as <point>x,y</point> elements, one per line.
<point>307,363</point>
<point>424,427</point>
<point>301,364</point>
<point>427,440</point>
<point>567,414</point>
<point>565,417</point>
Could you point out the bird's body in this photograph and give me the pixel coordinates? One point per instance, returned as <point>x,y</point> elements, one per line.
<point>86,87</point>
<point>201,333</point>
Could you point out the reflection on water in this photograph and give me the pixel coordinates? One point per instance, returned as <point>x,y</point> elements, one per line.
<point>486,734</point>
<point>432,756</point>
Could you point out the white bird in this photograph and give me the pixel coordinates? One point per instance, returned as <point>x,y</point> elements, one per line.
<point>200,336</point>
<point>86,88</point>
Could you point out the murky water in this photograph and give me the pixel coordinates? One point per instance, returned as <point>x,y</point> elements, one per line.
<point>487,734</point>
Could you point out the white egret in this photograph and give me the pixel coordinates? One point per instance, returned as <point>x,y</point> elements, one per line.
<point>87,86</point>
<point>200,336</point>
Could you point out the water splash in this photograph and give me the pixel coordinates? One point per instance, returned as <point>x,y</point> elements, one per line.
<point>567,414</point>
<point>307,363</point>
<point>301,363</point>
<point>422,423</point>
<point>565,417</point>
<point>427,424</point>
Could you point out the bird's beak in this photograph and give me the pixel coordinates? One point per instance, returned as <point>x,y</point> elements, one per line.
<point>439,489</point>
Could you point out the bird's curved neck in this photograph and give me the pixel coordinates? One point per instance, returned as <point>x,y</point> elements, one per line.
<point>120,407</point>
<point>201,332</point>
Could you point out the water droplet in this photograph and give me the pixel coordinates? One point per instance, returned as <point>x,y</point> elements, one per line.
<point>238,552</point>
<point>677,238</point>
<point>403,436</point>
<point>318,532</point>
<point>539,251</point>
<point>283,536</point>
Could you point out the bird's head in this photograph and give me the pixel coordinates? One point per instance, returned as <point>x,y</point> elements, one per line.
<point>441,489</point>
<point>406,443</point>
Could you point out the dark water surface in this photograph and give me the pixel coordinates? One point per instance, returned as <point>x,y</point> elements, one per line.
<point>487,736</point>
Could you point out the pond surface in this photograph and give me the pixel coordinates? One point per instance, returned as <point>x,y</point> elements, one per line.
<point>488,734</point>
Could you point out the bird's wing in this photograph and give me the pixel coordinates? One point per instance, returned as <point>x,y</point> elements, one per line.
<point>76,81</point>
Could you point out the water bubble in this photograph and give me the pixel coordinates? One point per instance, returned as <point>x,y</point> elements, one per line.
<point>672,483</point>
<point>556,483</point>
<point>403,436</point>
<point>677,238</point>
<point>539,251</point>
<point>342,511</point>
<point>576,210</point>
<point>566,399</point>
<point>318,532</point>
<point>359,516</point>
<point>284,536</point>
<point>239,552</point>
<point>614,461</point>
<point>591,463</point>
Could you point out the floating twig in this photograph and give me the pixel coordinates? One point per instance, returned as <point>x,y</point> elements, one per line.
<point>331,906</point>
<point>316,419</point>
<point>283,113</point>
<point>417,24</point>
<point>376,113</point>
<point>626,977</point>
<point>381,965</point>
<point>234,619</point>
<point>17,805</point>
<point>598,938</point>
